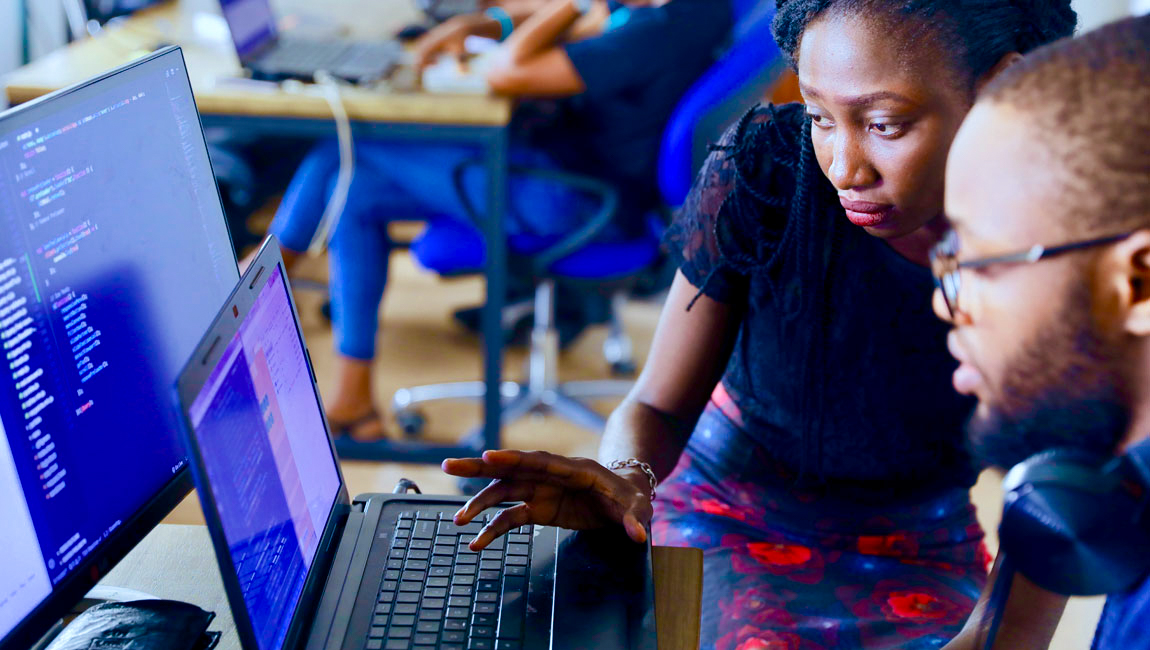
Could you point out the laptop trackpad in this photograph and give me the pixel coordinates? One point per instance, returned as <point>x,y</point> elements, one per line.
<point>604,595</point>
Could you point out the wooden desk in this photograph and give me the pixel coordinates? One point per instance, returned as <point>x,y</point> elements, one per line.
<point>177,562</point>
<point>226,101</point>
<point>215,74</point>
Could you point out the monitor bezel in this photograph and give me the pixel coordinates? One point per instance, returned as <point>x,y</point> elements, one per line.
<point>191,382</point>
<point>112,550</point>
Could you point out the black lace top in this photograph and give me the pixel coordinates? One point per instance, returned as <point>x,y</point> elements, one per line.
<point>840,368</point>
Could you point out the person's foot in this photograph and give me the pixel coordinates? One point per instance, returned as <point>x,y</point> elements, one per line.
<point>364,426</point>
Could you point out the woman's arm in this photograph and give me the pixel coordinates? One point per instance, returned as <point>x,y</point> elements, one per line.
<point>688,356</point>
<point>1029,620</point>
<point>532,61</point>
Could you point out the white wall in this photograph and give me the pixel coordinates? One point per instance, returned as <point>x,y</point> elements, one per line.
<point>9,37</point>
<point>1093,13</point>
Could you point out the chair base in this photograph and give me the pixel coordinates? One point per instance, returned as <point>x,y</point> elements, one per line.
<point>564,400</point>
<point>542,392</point>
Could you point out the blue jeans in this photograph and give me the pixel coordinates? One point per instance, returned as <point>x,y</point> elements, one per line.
<point>405,181</point>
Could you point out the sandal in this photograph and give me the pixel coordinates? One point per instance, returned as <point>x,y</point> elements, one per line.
<point>350,448</point>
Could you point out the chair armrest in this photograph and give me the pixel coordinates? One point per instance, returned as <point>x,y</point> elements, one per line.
<point>609,204</point>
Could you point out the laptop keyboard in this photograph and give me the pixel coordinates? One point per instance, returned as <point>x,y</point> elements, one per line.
<point>438,593</point>
<point>333,56</point>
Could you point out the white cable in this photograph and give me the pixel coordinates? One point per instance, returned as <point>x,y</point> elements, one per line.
<point>338,200</point>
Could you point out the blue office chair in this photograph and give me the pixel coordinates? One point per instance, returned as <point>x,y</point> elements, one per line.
<point>739,79</point>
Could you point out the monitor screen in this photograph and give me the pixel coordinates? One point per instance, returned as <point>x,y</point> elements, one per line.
<point>267,460</point>
<point>252,23</point>
<point>114,257</point>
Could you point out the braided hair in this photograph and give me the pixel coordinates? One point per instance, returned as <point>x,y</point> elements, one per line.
<point>977,33</point>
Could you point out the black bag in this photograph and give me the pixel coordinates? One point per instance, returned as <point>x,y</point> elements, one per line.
<point>139,625</point>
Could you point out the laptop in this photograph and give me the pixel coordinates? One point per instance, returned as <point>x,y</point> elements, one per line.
<point>304,566</point>
<point>269,56</point>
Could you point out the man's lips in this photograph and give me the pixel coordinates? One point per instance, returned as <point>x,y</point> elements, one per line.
<point>966,377</point>
<point>867,214</point>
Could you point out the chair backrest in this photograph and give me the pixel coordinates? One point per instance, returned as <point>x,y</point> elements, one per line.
<point>738,80</point>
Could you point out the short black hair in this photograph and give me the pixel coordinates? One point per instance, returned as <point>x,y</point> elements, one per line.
<point>1087,100</point>
<point>977,33</point>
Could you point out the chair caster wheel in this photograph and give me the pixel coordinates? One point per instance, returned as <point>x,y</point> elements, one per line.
<point>411,423</point>
<point>623,368</point>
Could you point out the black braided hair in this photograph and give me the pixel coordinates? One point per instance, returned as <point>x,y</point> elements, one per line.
<point>978,33</point>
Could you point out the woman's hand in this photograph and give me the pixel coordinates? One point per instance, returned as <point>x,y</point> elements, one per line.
<point>573,493</point>
<point>448,38</point>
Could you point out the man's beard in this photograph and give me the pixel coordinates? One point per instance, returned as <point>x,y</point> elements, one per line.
<point>1060,391</point>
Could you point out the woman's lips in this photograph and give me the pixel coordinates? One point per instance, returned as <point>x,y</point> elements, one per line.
<point>867,214</point>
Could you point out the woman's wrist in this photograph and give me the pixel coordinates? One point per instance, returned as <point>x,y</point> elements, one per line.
<point>638,474</point>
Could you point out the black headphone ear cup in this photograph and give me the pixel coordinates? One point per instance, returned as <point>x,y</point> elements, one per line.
<point>1070,527</point>
<point>1052,464</point>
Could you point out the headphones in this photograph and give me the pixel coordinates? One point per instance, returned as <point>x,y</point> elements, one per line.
<point>1077,524</point>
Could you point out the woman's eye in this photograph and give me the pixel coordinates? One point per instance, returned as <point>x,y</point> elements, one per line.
<point>887,129</point>
<point>820,121</point>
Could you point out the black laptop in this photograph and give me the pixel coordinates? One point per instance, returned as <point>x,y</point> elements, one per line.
<point>305,567</point>
<point>268,55</point>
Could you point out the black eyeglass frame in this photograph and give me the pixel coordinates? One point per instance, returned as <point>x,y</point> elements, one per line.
<point>946,267</point>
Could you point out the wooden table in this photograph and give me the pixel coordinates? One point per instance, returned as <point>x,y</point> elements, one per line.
<point>216,74</point>
<point>178,563</point>
<point>225,100</point>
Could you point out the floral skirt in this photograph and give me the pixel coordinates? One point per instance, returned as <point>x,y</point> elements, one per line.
<point>788,570</point>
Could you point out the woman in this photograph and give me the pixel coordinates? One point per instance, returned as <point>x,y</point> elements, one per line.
<point>826,477</point>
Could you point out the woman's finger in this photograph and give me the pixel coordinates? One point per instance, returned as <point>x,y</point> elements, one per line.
<point>635,530</point>
<point>497,492</point>
<point>513,517</point>
<point>573,473</point>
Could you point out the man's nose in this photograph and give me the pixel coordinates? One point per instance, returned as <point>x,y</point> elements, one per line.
<point>940,308</point>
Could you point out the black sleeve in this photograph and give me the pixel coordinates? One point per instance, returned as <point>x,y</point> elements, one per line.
<point>650,43</point>
<point>736,212</point>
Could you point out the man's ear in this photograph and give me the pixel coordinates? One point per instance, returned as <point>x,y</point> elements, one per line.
<point>1007,60</point>
<point>1130,275</point>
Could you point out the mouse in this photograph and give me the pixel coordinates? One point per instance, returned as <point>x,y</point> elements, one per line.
<point>411,32</point>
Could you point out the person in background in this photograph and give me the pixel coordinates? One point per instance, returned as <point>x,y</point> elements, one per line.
<point>619,71</point>
<point>826,476</point>
<point>1056,347</point>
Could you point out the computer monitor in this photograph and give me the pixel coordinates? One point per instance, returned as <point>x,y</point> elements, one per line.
<point>114,258</point>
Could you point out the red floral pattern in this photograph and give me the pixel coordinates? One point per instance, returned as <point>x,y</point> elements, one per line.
<point>791,571</point>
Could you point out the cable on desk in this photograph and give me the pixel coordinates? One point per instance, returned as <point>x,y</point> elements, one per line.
<point>338,199</point>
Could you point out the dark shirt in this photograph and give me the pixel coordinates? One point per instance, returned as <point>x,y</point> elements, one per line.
<point>635,75</point>
<point>1125,623</point>
<point>840,368</point>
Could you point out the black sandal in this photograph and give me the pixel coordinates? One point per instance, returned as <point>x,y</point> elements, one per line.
<point>349,448</point>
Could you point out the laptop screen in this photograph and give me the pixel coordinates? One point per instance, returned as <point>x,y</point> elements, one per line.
<point>252,23</point>
<point>267,459</point>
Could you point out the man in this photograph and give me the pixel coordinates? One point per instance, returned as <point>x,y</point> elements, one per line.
<point>1057,349</point>
<point>612,72</point>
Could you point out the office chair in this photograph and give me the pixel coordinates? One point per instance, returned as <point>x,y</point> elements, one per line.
<point>735,82</point>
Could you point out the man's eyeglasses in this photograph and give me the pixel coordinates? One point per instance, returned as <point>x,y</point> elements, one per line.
<point>945,265</point>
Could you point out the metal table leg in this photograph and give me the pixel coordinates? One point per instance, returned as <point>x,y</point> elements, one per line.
<point>495,157</point>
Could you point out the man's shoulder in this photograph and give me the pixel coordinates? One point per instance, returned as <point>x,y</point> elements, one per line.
<point>1125,623</point>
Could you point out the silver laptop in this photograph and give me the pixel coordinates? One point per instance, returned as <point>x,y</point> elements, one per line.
<point>304,566</point>
<point>268,55</point>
